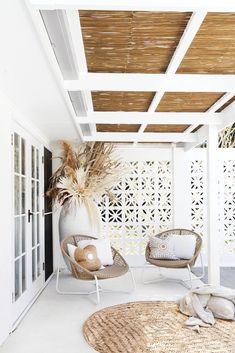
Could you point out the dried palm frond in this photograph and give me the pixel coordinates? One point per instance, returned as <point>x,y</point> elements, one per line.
<point>86,173</point>
<point>68,155</point>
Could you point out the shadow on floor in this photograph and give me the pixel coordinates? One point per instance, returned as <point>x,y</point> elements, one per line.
<point>227,276</point>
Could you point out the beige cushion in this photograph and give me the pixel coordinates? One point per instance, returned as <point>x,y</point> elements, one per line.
<point>88,258</point>
<point>222,308</point>
<point>103,248</point>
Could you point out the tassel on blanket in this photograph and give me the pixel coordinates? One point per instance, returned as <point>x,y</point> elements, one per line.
<point>194,324</point>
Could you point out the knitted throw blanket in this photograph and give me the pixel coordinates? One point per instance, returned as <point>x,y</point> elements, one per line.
<point>205,303</point>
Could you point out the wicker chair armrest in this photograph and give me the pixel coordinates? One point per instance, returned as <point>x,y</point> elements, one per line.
<point>114,252</point>
<point>197,253</point>
<point>75,263</point>
<point>117,258</point>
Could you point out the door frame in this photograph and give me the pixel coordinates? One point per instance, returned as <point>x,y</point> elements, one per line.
<point>26,299</point>
<point>48,211</point>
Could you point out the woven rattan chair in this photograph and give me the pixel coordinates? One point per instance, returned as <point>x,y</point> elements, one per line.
<point>176,264</point>
<point>119,268</point>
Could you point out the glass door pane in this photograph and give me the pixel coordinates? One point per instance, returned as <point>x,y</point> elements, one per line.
<point>19,216</point>
<point>27,219</point>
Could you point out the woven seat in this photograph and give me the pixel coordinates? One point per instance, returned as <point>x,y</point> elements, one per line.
<point>111,271</point>
<point>119,267</point>
<point>177,263</point>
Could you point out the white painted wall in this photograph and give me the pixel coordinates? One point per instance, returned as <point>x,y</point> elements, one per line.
<point>5,219</point>
<point>26,76</point>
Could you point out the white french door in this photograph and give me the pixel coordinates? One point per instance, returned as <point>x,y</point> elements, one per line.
<point>27,249</point>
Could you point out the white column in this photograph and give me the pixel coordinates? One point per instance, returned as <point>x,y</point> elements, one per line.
<point>213,235</point>
<point>181,188</point>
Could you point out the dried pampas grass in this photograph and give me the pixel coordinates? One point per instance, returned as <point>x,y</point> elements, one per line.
<point>86,173</point>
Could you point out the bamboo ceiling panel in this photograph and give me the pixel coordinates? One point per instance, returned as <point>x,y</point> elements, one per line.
<point>213,49</point>
<point>166,128</point>
<point>122,101</point>
<point>187,101</point>
<point>117,127</point>
<point>131,42</point>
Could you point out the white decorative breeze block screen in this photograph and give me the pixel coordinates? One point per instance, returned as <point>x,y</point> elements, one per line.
<point>226,200</point>
<point>198,196</point>
<point>144,200</point>
<point>142,206</point>
<point>227,207</point>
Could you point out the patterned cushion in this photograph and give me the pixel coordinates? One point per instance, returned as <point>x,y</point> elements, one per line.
<point>162,248</point>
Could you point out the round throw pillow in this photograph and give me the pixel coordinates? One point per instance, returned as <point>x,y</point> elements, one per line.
<point>88,258</point>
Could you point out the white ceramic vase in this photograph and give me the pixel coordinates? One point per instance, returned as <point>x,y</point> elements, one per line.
<point>82,219</point>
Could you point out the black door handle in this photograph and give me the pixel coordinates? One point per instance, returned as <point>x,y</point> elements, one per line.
<point>29,215</point>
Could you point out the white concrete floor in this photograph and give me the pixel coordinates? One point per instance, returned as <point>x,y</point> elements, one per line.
<point>54,323</point>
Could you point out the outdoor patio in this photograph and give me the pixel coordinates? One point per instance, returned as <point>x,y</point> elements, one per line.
<point>117,176</point>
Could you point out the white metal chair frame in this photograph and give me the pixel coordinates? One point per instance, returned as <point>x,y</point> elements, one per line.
<point>162,278</point>
<point>188,267</point>
<point>98,287</point>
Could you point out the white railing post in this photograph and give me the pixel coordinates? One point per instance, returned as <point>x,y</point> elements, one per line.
<point>212,207</point>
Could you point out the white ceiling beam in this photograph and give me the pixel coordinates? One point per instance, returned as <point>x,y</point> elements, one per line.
<point>53,65</point>
<point>152,82</point>
<point>218,104</point>
<point>155,101</point>
<point>76,40</point>
<point>146,137</point>
<point>77,45</point>
<point>151,118</point>
<point>190,31</point>
<point>140,5</point>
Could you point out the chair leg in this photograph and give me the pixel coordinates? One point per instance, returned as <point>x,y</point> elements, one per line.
<point>57,279</point>
<point>160,277</point>
<point>132,289</point>
<point>195,278</point>
<point>97,290</point>
<point>203,268</point>
<point>62,292</point>
<point>190,276</point>
<point>133,281</point>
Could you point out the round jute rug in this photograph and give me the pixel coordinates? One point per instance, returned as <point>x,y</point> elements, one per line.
<point>154,327</point>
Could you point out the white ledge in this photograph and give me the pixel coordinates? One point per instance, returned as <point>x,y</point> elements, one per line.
<point>146,137</point>
<point>133,5</point>
<point>151,118</point>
